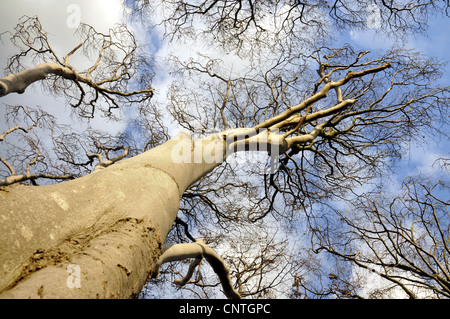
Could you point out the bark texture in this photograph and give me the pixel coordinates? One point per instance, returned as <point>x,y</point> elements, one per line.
<point>111,224</point>
<point>20,81</point>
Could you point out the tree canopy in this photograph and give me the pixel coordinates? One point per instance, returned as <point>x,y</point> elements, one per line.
<point>314,217</point>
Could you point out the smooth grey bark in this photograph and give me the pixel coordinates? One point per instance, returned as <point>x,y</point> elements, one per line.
<point>111,224</point>
<point>18,82</point>
<point>199,250</point>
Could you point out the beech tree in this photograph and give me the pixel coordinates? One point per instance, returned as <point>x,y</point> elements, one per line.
<point>405,239</point>
<point>329,119</point>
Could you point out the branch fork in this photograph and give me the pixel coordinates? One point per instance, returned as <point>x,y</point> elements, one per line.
<point>198,250</point>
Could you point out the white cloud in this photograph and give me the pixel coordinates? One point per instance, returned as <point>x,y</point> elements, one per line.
<point>370,39</point>
<point>53,15</point>
<point>424,159</point>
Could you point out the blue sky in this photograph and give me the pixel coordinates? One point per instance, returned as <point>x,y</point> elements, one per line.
<point>420,158</point>
<point>53,15</point>
<point>436,43</point>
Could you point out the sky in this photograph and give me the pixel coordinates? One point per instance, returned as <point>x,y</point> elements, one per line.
<point>60,18</point>
<point>435,43</point>
<point>418,158</point>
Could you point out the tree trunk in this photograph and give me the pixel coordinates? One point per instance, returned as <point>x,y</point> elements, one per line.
<point>98,236</point>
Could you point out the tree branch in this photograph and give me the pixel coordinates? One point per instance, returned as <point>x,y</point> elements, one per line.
<point>320,95</point>
<point>190,272</point>
<point>103,164</point>
<point>196,250</point>
<point>28,176</point>
<point>18,82</point>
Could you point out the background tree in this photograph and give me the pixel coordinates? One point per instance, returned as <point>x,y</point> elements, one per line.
<point>337,116</point>
<point>403,240</point>
<point>244,25</point>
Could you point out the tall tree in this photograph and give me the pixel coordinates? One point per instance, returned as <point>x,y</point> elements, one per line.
<point>404,239</point>
<point>329,118</point>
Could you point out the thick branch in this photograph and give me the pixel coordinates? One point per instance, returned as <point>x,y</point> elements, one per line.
<point>320,95</point>
<point>15,128</point>
<point>200,250</point>
<point>251,139</point>
<point>190,272</point>
<point>186,228</point>
<point>10,168</point>
<point>20,81</point>
<point>306,138</point>
<point>25,177</point>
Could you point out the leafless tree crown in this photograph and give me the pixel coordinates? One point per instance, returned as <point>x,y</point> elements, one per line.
<point>340,117</point>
